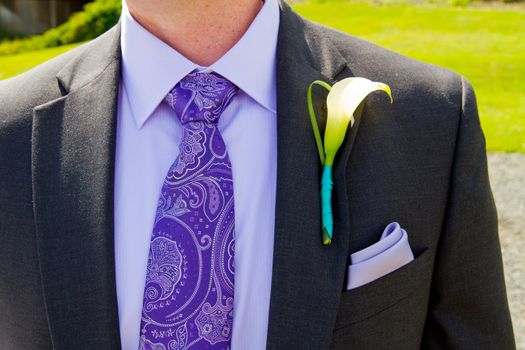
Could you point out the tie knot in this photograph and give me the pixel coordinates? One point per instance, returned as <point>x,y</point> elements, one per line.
<point>201,97</point>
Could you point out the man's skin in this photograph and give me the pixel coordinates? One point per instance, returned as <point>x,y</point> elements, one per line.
<point>201,30</point>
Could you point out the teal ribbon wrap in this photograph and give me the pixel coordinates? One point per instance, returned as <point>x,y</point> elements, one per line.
<point>327,185</point>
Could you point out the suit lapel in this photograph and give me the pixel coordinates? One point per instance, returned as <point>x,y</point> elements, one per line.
<point>308,277</point>
<point>73,167</point>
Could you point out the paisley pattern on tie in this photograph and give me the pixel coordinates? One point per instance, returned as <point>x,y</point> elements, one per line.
<point>188,297</point>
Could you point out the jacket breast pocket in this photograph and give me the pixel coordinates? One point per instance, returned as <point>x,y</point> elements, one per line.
<point>370,299</point>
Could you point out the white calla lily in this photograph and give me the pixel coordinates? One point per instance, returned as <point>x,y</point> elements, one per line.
<point>342,101</point>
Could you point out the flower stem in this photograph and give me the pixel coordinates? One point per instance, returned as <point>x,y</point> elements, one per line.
<point>313,119</point>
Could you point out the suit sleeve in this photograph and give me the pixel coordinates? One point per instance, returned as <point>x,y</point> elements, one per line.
<point>468,305</point>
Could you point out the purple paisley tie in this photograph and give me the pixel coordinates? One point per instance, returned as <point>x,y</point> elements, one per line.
<point>188,297</point>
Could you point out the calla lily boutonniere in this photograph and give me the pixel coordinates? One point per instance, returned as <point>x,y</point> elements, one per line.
<point>343,99</point>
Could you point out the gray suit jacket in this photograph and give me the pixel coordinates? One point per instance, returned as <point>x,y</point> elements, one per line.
<point>420,161</point>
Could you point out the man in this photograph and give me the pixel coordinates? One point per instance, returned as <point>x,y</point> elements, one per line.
<point>160,190</point>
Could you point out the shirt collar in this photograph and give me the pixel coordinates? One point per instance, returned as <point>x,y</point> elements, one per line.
<point>150,67</point>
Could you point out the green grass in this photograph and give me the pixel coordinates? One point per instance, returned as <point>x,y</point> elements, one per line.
<point>15,64</point>
<point>487,45</point>
<point>484,44</point>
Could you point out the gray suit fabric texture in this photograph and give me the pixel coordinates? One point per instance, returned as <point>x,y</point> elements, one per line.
<point>420,161</point>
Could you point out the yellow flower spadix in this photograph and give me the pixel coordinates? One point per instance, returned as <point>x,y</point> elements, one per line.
<point>343,99</point>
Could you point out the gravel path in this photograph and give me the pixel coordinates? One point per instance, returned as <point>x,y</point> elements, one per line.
<point>507,177</point>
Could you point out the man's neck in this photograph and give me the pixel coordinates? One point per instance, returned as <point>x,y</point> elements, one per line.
<point>201,30</point>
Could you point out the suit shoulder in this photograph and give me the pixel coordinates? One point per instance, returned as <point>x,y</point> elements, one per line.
<point>37,86</point>
<point>405,75</point>
<point>22,93</point>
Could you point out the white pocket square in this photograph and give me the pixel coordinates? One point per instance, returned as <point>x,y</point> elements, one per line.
<point>389,254</point>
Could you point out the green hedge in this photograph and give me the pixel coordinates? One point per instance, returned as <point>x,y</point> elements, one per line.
<point>6,34</point>
<point>96,17</point>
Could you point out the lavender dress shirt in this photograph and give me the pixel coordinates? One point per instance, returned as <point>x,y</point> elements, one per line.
<point>150,68</point>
